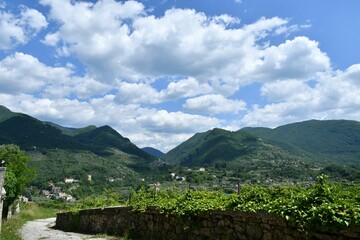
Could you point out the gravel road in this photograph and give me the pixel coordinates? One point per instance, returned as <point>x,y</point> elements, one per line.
<point>41,230</point>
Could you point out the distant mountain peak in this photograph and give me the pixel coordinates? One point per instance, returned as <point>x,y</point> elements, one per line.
<point>153,151</point>
<point>27,132</point>
<point>4,109</point>
<point>335,141</point>
<point>6,113</point>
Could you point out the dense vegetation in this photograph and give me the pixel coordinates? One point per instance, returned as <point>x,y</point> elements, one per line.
<point>57,164</point>
<point>17,174</point>
<point>321,206</point>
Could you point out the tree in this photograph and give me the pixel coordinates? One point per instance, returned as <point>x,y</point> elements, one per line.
<point>17,174</point>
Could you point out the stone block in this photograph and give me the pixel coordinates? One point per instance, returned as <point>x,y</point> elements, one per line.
<point>254,231</point>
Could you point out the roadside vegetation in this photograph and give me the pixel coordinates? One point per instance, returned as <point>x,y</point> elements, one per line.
<point>29,211</point>
<point>17,174</point>
<point>322,206</point>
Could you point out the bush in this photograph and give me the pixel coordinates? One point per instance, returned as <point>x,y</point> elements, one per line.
<point>322,206</point>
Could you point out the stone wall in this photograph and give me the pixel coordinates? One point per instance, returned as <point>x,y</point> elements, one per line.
<point>122,221</point>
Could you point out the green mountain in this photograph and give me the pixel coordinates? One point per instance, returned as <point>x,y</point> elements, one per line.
<point>28,132</point>
<point>241,155</point>
<point>104,139</point>
<point>154,152</point>
<point>58,152</point>
<point>298,151</point>
<point>212,146</point>
<point>6,113</point>
<point>71,131</point>
<point>335,141</point>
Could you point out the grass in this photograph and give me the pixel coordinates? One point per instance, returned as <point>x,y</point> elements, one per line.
<point>28,211</point>
<point>31,211</point>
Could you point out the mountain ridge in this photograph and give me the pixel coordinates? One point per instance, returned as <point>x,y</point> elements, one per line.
<point>153,151</point>
<point>212,146</point>
<point>27,132</point>
<point>101,153</point>
<point>335,140</point>
<point>240,155</point>
<point>298,150</point>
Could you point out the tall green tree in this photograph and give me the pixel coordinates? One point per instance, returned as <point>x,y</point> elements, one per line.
<point>17,174</point>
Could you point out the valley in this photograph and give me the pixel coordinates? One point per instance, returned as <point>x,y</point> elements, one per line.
<point>100,158</point>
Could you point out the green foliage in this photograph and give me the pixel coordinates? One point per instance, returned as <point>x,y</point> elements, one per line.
<point>321,206</point>
<point>108,198</point>
<point>58,164</point>
<point>17,174</point>
<point>54,204</point>
<point>175,202</point>
<point>342,172</point>
<point>10,228</point>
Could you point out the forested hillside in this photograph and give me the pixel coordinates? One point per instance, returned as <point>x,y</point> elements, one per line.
<point>242,155</point>
<point>213,146</point>
<point>337,141</point>
<point>58,152</point>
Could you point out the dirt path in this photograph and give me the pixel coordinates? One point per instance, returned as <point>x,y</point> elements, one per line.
<point>41,230</point>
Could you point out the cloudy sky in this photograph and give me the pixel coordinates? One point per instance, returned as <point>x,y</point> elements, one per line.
<point>160,71</point>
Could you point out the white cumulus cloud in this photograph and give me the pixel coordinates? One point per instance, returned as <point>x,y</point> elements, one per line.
<point>214,104</point>
<point>23,73</point>
<point>332,95</point>
<point>299,58</point>
<point>117,41</point>
<point>18,29</point>
<point>183,88</point>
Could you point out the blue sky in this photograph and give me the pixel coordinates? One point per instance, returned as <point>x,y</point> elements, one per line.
<point>160,71</point>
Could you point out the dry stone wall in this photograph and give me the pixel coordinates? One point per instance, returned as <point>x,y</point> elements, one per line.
<point>122,221</point>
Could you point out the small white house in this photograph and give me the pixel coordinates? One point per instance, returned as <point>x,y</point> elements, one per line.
<point>69,180</point>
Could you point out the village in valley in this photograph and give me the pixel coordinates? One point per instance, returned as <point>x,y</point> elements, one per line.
<point>53,192</point>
